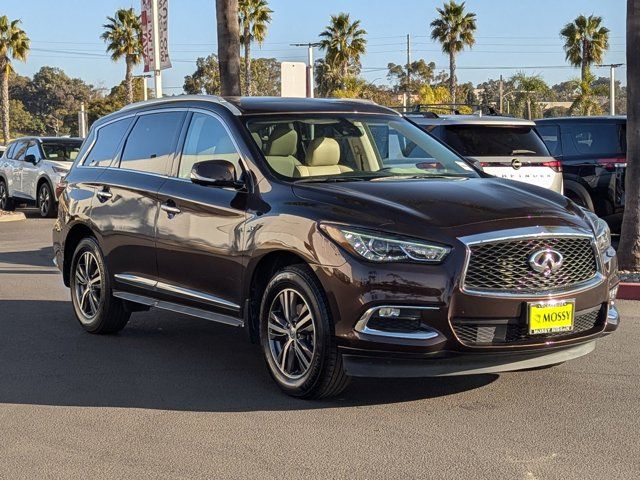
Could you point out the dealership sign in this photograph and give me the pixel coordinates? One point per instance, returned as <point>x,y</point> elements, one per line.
<point>155,43</point>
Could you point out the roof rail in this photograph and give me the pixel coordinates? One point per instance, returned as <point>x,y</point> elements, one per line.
<point>434,110</point>
<point>181,98</point>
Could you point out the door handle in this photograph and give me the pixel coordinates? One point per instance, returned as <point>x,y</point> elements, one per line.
<point>104,195</point>
<point>170,208</point>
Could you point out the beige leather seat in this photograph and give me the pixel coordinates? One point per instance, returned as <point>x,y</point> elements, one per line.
<point>323,156</point>
<point>280,150</point>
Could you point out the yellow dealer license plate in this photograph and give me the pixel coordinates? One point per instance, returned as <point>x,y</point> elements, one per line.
<point>551,317</point>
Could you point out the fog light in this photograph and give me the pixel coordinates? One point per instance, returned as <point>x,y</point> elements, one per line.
<point>389,312</point>
<point>613,293</point>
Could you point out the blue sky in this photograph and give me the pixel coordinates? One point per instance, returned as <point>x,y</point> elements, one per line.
<point>511,33</point>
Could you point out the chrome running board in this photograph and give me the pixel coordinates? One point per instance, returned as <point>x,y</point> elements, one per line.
<point>174,307</point>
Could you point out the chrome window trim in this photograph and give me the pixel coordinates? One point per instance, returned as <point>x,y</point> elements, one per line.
<point>148,283</point>
<point>525,233</point>
<point>362,327</point>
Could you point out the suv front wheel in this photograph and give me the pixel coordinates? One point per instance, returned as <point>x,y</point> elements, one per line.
<point>297,336</point>
<point>97,310</point>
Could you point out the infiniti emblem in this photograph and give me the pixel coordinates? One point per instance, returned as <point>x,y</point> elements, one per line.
<point>546,261</point>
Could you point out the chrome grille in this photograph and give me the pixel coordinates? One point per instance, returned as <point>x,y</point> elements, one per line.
<point>496,332</point>
<point>503,266</point>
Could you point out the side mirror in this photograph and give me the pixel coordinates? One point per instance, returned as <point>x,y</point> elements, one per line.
<point>31,158</point>
<point>215,173</point>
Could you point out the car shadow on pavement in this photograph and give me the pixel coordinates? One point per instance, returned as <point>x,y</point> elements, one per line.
<point>42,257</point>
<point>163,360</point>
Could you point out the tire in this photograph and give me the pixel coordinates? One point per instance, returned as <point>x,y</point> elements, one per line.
<point>46,202</point>
<point>97,310</point>
<point>6,202</point>
<point>311,366</point>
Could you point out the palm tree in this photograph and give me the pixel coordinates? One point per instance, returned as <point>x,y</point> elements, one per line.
<point>629,248</point>
<point>123,34</point>
<point>344,42</point>
<point>528,90</point>
<point>14,44</point>
<point>585,42</point>
<point>228,46</point>
<point>454,29</point>
<point>254,16</point>
<point>586,102</point>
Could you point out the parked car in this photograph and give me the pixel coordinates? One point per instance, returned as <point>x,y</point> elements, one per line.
<point>505,147</point>
<point>285,217</point>
<point>32,167</point>
<point>592,151</point>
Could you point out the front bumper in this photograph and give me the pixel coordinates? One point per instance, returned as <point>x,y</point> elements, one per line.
<point>362,365</point>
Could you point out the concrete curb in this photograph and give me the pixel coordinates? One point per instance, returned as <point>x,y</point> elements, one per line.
<point>13,217</point>
<point>628,291</point>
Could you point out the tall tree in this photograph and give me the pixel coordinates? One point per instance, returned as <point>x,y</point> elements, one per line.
<point>529,90</point>
<point>344,43</point>
<point>254,17</point>
<point>123,35</point>
<point>228,46</point>
<point>14,45</point>
<point>421,73</point>
<point>454,29</point>
<point>629,248</point>
<point>585,41</point>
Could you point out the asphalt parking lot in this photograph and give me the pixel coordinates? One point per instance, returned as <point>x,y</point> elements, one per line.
<point>178,397</point>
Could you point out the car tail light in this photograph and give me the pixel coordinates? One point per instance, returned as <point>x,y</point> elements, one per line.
<point>60,188</point>
<point>485,164</point>
<point>555,165</point>
<point>611,164</point>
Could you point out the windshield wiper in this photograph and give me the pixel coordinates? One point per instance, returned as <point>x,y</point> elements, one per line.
<point>331,179</point>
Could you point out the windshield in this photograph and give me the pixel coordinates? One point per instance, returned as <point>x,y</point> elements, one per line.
<point>494,141</point>
<point>349,147</point>
<point>61,152</point>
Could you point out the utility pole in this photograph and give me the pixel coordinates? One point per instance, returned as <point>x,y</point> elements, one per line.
<point>82,121</point>
<point>500,94</point>
<point>407,90</point>
<point>156,50</point>
<point>144,77</point>
<point>310,69</point>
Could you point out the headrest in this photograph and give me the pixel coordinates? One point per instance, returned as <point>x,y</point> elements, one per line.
<point>323,152</point>
<point>283,141</point>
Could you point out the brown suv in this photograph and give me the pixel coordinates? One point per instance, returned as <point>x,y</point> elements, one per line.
<point>342,237</point>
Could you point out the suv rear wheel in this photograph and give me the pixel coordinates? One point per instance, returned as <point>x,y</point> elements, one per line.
<point>97,310</point>
<point>46,204</point>
<point>6,202</point>
<point>296,334</point>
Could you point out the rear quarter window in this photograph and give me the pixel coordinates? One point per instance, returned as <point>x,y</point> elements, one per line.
<point>551,136</point>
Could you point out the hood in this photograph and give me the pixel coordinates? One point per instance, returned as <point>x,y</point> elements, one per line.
<point>442,203</point>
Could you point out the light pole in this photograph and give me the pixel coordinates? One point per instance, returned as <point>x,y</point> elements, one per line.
<point>612,86</point>
<point>310,80</point>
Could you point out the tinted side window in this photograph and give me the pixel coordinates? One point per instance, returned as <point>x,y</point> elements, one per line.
<point>596,138</point>
<point>207,139</point>
<point>151,142</point>
<point>551,136</point>
<point>107,142</point>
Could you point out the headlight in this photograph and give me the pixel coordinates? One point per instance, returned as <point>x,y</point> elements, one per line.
<point>601,229</point>
<point>380,247</point>
<point>60,170</point>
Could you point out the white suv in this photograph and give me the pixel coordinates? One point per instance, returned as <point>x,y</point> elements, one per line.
<point>31,168</point>
<point>505,147</point>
